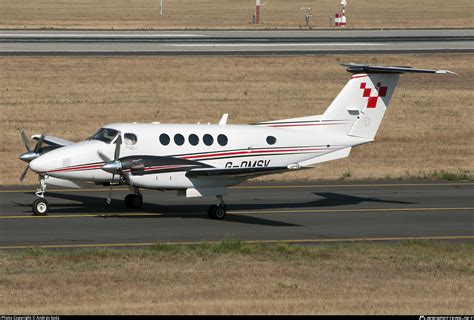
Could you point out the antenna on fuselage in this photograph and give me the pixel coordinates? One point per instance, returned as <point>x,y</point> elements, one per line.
<point>223,120</point>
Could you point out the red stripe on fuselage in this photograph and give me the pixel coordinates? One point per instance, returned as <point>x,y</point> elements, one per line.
<point>205,156</point>
<point>302,124</point>
<point>79,167</point>
<point>249,152</point>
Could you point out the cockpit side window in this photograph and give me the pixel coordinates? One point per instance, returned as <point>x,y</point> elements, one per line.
<point>105,135</point>
<point>130,139</point>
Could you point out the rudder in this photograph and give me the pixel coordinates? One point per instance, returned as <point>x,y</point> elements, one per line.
<point>376,91</point>
<point>366,96</point>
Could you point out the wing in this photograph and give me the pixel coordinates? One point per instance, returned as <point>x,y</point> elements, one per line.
<point>53,141</point>
<point>233,172</point>
<point>145,165</point>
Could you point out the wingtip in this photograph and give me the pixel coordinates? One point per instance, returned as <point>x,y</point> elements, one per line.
<point>445,72</point>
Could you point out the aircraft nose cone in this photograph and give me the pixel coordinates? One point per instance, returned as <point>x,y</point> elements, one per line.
<point>29,156</point>
<point>39,165</point>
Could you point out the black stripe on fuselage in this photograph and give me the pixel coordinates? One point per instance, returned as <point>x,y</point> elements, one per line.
<point>244,149</point>
<point>291,122</point>
<point>255,155</point>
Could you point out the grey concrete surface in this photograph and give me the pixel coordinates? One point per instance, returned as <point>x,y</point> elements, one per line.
<point>197,42</point>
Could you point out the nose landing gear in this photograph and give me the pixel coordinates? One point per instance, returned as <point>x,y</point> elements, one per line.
<point>219,210</point>
<point>40,206</point>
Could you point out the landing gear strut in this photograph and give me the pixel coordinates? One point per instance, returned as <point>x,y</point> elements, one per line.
<point>219,210</point>
<point>134,200</point>
<point>40,206</point>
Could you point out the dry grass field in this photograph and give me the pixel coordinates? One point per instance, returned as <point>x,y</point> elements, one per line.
<point>237,278</point>
<point>428,128</point>
<point>233,14</point>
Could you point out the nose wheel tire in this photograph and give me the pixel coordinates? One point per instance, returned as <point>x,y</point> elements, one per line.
<point>133,201</point>
<point>217,212</point>
<point>40,207</point>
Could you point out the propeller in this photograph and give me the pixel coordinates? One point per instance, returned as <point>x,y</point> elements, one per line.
<point>113,166</point>
<point>31,153</point>
<point>124,167</point>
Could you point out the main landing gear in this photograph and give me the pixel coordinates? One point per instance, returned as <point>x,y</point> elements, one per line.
<point>219,210</point>
<point>40,206</point>
<point>134,200</point>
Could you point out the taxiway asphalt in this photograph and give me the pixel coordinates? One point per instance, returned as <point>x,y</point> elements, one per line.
<point>290,212</point>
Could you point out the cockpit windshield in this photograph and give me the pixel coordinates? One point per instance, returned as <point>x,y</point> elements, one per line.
<point>105,134</point>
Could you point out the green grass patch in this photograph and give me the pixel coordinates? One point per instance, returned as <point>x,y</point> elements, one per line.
<point>451,176</point>
<point>421,254</point>
<point>457,175</point>
<point>346,174</point>
<point>167,247</point>
<point>35,251</point>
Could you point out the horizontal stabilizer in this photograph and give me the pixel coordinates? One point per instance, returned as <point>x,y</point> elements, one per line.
<point>365,68</point>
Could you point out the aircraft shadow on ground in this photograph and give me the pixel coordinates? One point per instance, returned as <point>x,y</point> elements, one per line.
<point>96,205</point>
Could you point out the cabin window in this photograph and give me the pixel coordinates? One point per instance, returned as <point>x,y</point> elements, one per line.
<point>222,139</point>
<point>193,139</point>
<point>179,139</point>
<point>130,139</point>
<point>208,139</point>
<point>164,139</point>
<point>271,140</point>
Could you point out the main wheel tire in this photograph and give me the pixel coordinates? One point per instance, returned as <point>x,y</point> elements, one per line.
<point>137,201</point>
<point>218,212</point>
<point>40,207</point>
<point>128,200</point>
<point>133,201</point>
<point>210,210</point>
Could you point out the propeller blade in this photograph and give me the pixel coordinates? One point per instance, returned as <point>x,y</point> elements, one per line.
<point>126,176</point>
<point>114,166</point>
<point>103,156</point>
<point>118,142</point>
<point>40,143</point>
<point>23,174</point>
<point>108,199</point>
<point>25,139</point>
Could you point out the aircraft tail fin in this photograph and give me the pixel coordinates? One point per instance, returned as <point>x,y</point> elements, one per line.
<point>366,96</point>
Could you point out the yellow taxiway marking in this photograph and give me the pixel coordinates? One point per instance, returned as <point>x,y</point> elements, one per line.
<point>64,190</point>
<point>295,241</point>
<point>83,215</point>
<point>248,212</point>
<point>349,210</point>
<point>382,185</point>
<point>354,185</point>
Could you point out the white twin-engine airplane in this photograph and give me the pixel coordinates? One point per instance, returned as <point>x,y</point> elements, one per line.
<point>203,160</point>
